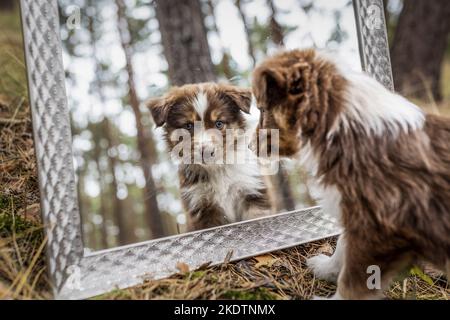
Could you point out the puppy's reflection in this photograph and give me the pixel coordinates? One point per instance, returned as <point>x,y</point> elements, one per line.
<point>205,131</point>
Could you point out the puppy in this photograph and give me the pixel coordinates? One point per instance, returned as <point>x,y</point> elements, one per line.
<point>213,191</point>
<point>382,165</point>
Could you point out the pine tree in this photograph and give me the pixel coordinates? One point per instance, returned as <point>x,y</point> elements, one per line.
<point>152,212</point>
<point>419,47</point>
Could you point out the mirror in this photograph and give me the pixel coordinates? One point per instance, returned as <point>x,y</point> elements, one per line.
<point>119,54</point>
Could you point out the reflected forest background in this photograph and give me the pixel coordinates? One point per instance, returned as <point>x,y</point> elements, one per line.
<point>121,53</point>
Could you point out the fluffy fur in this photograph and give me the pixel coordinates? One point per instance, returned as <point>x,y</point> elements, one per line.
<point>381,164</point>
<point>212,194</point>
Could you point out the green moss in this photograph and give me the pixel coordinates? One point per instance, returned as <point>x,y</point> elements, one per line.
<point>197,274</point>
<point>10,224</point>
<point>14,224</point>
<point>5,203</point>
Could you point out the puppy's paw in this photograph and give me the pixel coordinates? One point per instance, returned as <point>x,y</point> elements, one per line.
<point>324,267</point>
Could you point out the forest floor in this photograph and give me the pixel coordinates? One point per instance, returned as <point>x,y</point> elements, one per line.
<point>23,273</point>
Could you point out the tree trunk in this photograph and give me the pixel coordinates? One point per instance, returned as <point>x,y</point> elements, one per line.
<point>103,205</point>
<point>276,31</point>
<point>97,148</point>
<point>89,236</point>
<point>147,151</point>
<point>250,48</point>
<point>125,235</point>
<point>130,222</point>
<point>7,5</point>
<point>184,40</point>
<point>419,47</point>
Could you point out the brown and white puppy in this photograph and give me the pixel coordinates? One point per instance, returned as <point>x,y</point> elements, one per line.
<point>213,192</point>
<point>382,165</point>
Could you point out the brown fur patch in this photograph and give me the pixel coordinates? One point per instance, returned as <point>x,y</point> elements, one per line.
<point>395,191</point>
<point>293,91</point>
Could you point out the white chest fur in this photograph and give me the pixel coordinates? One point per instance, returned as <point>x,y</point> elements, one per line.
<point>226,187</point>
<point>328,197</point>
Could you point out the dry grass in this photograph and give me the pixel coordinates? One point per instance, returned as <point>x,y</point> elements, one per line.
<point>23,274</point>
<point>280,275</point>
<point>22,268</point>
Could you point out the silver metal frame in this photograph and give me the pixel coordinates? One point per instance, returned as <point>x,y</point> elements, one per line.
<point>76,275</point>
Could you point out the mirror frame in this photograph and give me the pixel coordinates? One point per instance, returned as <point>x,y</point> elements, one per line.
<point>75,274</point>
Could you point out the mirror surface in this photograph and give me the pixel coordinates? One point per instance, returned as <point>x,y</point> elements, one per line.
<point>115,59</point>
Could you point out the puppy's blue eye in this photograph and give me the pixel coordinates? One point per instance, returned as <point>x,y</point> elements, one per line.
<point>219,124</point>
<point>189,126</point>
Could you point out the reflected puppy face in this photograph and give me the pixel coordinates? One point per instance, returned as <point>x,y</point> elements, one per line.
<point>291,91</point>
<point>207,114</point>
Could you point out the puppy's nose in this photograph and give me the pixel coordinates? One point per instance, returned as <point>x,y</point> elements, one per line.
<point>208,150</point>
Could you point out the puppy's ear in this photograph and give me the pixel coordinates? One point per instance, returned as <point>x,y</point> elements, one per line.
<point>269,86</point>
<point>299,78</point>
<point>159,107</point>
<point>239,97</point>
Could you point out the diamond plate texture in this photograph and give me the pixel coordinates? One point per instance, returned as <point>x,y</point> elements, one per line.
<point>373,42</point>
<point>52,136</point>
<point>77,276</point>
<point>127,266</point>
